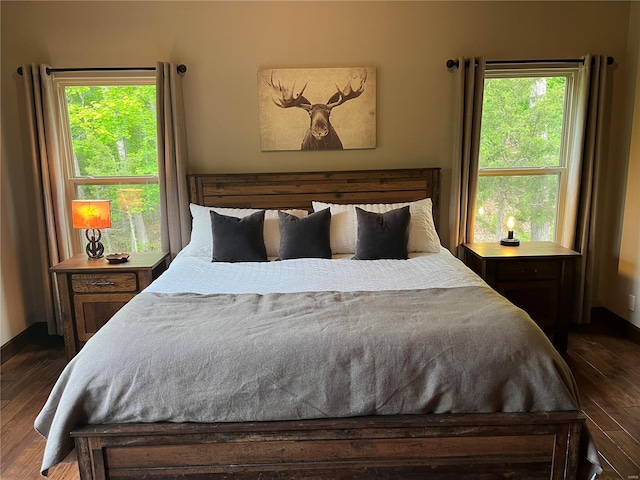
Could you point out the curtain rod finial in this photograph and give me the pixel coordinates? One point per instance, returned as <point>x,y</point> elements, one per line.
<point>452,63</point>
<point>182,68</point>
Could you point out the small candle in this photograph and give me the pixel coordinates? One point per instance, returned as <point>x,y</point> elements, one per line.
<point>510,224</point>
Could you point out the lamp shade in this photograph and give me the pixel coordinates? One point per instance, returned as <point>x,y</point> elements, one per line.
<point>91,213</point>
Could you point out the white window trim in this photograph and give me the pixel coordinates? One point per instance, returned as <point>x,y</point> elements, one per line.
<point>61,80</point>
<point>566,170</point>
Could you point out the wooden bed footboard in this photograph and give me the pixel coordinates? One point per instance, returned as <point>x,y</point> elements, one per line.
<point>409,447</point>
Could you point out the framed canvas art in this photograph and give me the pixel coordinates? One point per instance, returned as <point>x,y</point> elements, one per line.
<point>317,108</point>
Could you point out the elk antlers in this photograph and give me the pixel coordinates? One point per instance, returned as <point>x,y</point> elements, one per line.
<point>348,92</point>
<point>286,98</point>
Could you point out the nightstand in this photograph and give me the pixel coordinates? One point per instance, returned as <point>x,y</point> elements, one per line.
<point>92,291</point>
<point>536,276</point>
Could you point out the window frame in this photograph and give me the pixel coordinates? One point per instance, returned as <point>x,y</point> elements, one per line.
<point>566,168</point>
<point>71,181</point>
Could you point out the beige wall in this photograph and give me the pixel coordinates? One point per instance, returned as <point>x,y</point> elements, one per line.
<point>12,300</point>
<point>625,278</point>
<point>224,44</point>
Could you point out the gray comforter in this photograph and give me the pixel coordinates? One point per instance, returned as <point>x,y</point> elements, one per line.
<point>209,358</point>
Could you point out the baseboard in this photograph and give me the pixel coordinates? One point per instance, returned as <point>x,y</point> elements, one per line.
<point>36,333</point>
<point>620,325</point>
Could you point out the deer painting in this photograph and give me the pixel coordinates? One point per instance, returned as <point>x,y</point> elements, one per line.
<point>321,135</point>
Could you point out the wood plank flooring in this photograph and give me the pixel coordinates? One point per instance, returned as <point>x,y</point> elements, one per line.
<point>606,367</point>
<point>607,370</point>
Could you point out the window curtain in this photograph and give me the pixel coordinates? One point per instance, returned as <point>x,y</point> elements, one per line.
<point>581,215</point>
<point>592,101</point>
<point>172,159</point>
<point>51,213</point>
<point>469,86</point>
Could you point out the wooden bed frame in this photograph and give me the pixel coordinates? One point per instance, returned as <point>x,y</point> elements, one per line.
<point>452,446</point>
<point>298,190</point>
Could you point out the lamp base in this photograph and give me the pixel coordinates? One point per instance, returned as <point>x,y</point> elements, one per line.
<point>510,242</point>
<point>95,249</point>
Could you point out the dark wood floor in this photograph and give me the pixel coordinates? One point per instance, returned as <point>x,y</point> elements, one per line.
<point>606,367</point>
<point>607,370</point>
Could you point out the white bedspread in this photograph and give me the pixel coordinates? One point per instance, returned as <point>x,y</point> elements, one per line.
<point>341,274</point>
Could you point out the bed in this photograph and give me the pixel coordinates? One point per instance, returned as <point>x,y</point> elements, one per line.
<point>318,368</point>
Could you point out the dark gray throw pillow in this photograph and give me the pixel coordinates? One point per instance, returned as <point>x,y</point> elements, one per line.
<point>383,235</point>
<point>238,239</point>
<point>307,237</point>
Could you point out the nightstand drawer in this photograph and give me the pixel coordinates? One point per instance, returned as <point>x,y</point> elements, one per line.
<point>540,299</point>
<point>529,270</point>
<point>92,291</point>
<point>536,276</point>
<point>104,282</point>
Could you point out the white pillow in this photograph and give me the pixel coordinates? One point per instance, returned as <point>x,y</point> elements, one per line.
<point>344,224</point>
<point>201,241</point>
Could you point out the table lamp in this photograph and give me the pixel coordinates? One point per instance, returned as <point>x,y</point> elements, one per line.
<point>510,241</point>
<point>92,215</point>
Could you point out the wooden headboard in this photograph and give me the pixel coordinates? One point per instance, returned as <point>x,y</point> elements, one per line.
<point>298,190</point>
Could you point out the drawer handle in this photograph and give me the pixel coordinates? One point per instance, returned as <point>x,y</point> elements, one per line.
<point>102,284</point>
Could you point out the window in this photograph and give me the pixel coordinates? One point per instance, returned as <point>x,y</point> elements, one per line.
<point>524,158</point>
<point>110,141</point>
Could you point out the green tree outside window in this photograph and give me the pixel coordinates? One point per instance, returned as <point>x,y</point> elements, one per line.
<point>114,147</point>
<point>520,157</point>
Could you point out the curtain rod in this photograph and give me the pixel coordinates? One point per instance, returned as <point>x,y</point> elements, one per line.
<point>181,69</point>
<point>455,63</point>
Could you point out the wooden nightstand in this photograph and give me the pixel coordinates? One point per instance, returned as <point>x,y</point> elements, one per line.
<point>536,276</point>
<point>92,291</point>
